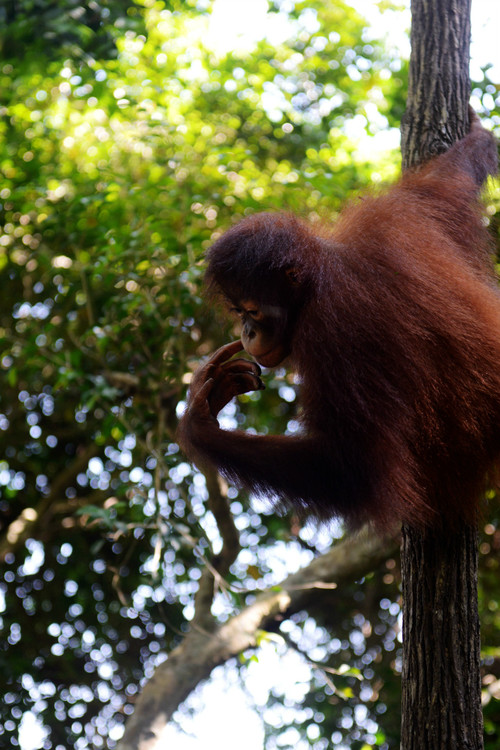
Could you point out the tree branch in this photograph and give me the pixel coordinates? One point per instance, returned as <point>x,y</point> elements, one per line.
<point>219,567</point>
<point>202,651</point>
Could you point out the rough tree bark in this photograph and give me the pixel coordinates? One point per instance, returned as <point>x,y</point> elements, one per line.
<point>438,85</point>
<point>441,690</point>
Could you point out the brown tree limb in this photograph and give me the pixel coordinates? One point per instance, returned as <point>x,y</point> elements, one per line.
<point>219,505</point>
<point>201,651</point>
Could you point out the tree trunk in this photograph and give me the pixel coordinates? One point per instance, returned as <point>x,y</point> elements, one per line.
<point>438,86</point>
<point>441,689</point>
<point>441,702</point>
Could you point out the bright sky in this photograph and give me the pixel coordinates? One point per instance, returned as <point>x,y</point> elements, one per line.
<point>237,23</point>
<point>485,33</point>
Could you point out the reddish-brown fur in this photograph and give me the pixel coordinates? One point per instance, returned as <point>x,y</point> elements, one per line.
<point>396,340</point>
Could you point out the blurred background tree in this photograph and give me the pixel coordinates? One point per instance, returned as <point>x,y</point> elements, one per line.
<point>131,135</point>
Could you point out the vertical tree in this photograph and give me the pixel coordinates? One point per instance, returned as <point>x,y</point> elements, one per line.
<point>441,702</point>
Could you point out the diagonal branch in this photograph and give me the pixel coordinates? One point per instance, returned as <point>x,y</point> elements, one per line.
<point>201,651</point>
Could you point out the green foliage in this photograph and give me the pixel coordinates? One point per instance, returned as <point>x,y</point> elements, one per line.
<point>55,29</point>
<point>354,693</point>
<point>126,145</point>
